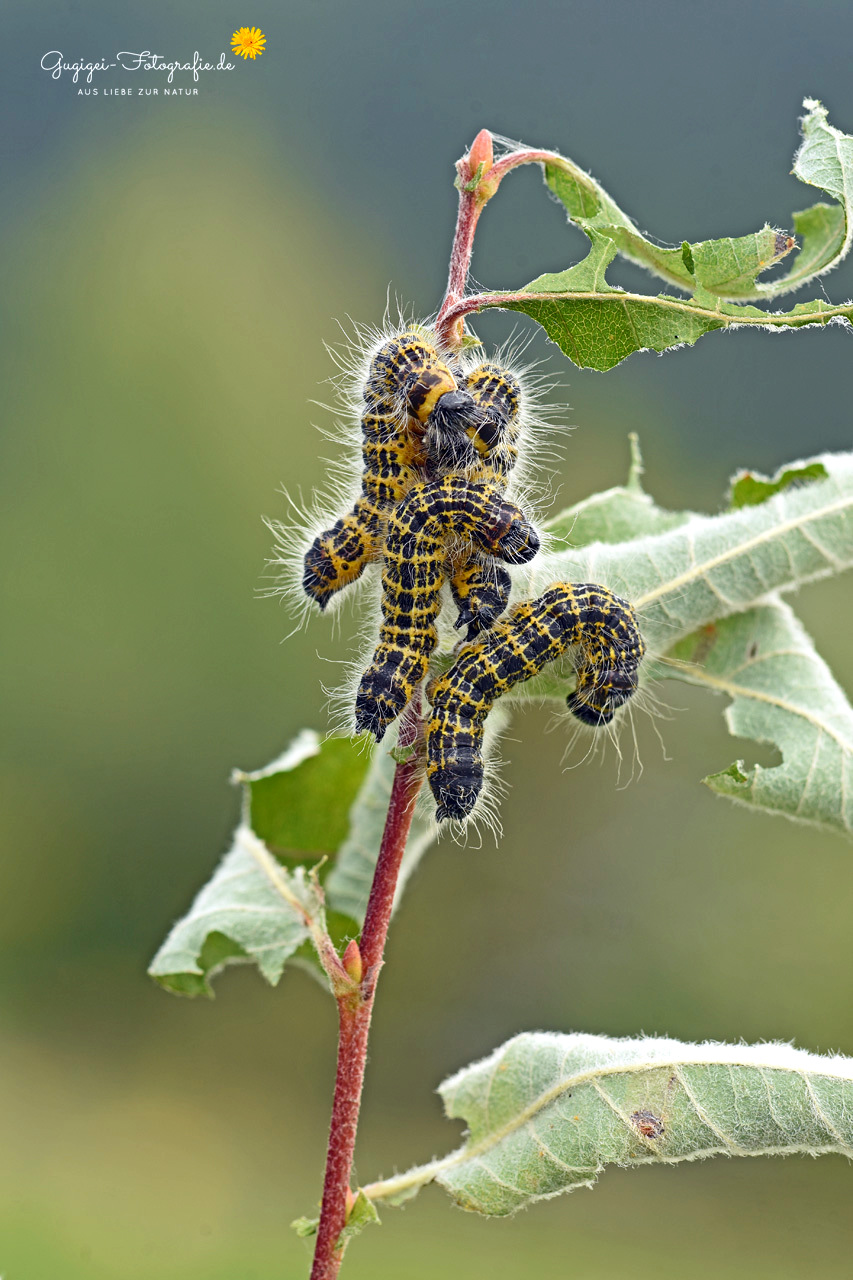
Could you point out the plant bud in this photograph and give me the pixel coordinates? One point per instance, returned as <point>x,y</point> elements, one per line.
<point>481,153</point>
<point>351,961</point>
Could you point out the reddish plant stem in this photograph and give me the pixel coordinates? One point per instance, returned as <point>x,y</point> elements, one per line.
<point>355,1010</point>
<point>449,332</point>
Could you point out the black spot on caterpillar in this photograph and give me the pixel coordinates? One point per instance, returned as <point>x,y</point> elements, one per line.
<point>602,627</point>
<point>405,383</point>
<point>419,531</point>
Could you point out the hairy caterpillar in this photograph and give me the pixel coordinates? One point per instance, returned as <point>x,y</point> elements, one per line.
<point>481,442</point>
<point>405,382</point>
<point>420,532</point>
<point>602,627</point>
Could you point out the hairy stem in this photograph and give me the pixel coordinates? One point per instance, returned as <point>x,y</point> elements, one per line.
<point>354,1010</point>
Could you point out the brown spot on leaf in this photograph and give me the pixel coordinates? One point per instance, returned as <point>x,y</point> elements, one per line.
<point>648,1124</point>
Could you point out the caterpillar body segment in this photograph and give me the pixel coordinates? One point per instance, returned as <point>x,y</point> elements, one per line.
<point>480,588</point>
<point>421,534</point>
<point>474,432</point>
<point>405,380</point>
<point>602,627</point>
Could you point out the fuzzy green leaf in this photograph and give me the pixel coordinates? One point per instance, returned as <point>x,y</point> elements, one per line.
<point>711,567</point>
<point>260,904</point>
<point>748,488</point>
<point>597,325</point>
<point>348,883</point>
<point>546,1113</point>
<point>782,693</point>
<point>729,268</point>
<point>599,328</point>
<point>298,804</point>
<point>719,572</point>
<point>252,909</point>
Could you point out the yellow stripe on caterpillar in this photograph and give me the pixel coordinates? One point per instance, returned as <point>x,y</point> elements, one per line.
<point>590,618</point>
<point>420,532</point>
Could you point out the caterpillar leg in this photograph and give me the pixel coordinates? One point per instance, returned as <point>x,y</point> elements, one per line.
<point>415,567</point>
<point>480,590</point>
<point>601,625</point>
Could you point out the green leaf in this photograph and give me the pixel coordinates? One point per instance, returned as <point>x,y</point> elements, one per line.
<point>749,488</point>
<point>348,883</point>
<point>782,693</point>
<point>252,909</point>
<point>546,1113</point>
<point>305,1227</point>
<point>824,160</point>
<point>597,325</point>
<point>599,328</point>
<point>260,907</point>
<point>298,804</point>
<point>711,567</point>
<point>727,268</point>
<point>361,1215</point>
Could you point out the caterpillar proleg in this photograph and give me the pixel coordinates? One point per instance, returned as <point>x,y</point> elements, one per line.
<point>419,538</point>
<point>601,626</point>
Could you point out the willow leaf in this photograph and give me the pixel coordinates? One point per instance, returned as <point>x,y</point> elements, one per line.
<point>546,1113</point>
<point>297,804</point>
<point>251,910</point>
<point>711,567</point>
<point>599,328</point>
<point>348,883</point>
<point>782,693</point>
<point>824,160</point>
<point>729,267</point>
<point>260,905</point>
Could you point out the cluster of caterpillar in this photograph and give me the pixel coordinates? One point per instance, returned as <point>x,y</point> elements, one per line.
<point>438,444</point>
<point>600,626</point>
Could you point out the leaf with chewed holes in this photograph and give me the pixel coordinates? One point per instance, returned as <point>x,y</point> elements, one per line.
<point>715,576</point>
<point>598,325</point>
<point>782,692</point>
<point>546,1113</point>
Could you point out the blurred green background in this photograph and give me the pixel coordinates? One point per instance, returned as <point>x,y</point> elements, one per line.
<point>172,269</point>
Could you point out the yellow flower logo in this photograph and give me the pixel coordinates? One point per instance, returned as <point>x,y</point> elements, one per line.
<point>248,42</point>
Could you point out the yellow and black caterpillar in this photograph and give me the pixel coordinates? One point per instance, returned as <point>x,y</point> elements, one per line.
<point>481,444</point>
<point>405,382</point>
<point>585,616</point>
<point>418,542</point>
